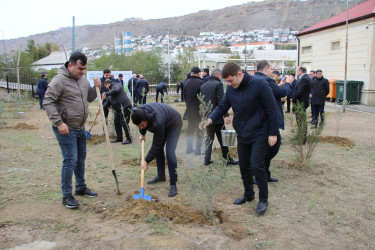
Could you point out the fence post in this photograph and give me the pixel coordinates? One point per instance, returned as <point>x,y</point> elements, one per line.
<point>7,79</point>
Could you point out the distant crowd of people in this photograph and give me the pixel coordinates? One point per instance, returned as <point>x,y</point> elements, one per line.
<point>256,100</point>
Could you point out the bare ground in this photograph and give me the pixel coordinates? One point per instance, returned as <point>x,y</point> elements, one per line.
<point>329,206</point>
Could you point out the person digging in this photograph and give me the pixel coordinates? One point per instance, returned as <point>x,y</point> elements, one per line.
<point>165,123</point>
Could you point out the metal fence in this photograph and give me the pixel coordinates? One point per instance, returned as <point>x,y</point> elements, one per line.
<point>27,83</point>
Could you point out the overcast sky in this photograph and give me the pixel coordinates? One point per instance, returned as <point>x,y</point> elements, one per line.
<point>21,18</point>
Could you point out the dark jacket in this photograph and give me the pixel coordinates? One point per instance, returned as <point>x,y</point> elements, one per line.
<point>133,81</point>
<point>41,86</point>
<point>116,97</point>
<point>206,78</point>
<point>142,85</point>
<point>254,108</point>
<point>213,91</point>
<point>292,87</point>
<point>191,90</point>
<point>162,87</point>
<point>301,92</point>
<point>103,89</point>
<point>319,91</point>
<point>278,92</point>
<point>161,119</point>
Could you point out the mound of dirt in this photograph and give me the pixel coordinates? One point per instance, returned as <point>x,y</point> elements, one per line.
<point>138,210</point>
<point>20,126</point>
<point>339,141</point>
<point>96,139</point>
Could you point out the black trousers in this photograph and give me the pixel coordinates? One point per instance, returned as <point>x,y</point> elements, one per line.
<point>251,156</point>
<point>288,104</point>
<point>142,98</point>
<point>271,153</point>
<point>211,131</point>
<point>122,118</point>
<point>157,95</point>
<point>170,141</point>
<point>193,128</point>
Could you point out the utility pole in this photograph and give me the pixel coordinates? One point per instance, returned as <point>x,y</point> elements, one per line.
<point>73,36</point>
<point>346,58</point>
<point>169,64</point>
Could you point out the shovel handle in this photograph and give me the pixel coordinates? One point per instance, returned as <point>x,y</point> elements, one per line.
<point>92,125</point>
<point>142,170</point>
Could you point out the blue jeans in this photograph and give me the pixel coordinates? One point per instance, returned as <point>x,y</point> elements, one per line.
<point>73,150</point>
<point>41,99</point>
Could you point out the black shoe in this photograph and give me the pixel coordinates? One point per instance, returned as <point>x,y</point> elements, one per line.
<point>206,163</point>
<point>116,140</point>
<point>273,179</point>
<point>127,142</point>
<point>156,179</point>
<point>70,202</point>
<point>261,207</point>
<point>172,191</point>
<point>86,192</point>
<point>243,199</point>
<point>233,162</point>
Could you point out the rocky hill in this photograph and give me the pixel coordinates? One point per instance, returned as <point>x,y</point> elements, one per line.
<point>270,14</point>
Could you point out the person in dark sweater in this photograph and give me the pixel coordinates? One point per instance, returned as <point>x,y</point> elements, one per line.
<point>41,88</point>
<point>116,97</point>
<point>319,91</point>
<point>213,91</point>
<point>142,88</point>
<point>161,88</point>
<point>191,90</point>
<point>206,74</point>
<point>256,123</point>
<point>264,70</point>
<point>165,123</point>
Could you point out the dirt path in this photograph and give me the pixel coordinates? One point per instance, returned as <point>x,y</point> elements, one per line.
<point>330,206</point>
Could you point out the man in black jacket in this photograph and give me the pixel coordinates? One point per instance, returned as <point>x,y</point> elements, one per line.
<point>161,88</point>
<point>301,95</point>
<point>256,123</point>
<point>213,91</point>
<point>191,90</point>
<point>116,97</point>
<point>264,70</point>
<point>106,76</point>
<point>41,88</point>
<point>142,88</point>
<point>165,123</point>
<point>206,74</point>
<point>132,85</point>
<point>319,91</point>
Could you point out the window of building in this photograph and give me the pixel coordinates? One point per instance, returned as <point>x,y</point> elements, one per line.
<point>335,45</point>
<point>306,50</point>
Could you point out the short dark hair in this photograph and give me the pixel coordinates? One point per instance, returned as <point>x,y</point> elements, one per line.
<point>106,71</point>
<point>313,71</point>
<point>42,75</point>
<point>108,81</point>
<point>303,69</point>
<point>230,69</point>
<point>207,70</point>
<point>138,116</point>
<point>262,65</point>
<point>120,75</point>
<point>292,74</point>
<point>319,70</point>
<point>74,57</point>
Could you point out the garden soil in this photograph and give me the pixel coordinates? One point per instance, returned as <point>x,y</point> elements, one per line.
<point>329,206</point>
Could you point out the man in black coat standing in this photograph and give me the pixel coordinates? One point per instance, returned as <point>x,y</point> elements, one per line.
<point>142,87</point>
<point>301,95</point>
<point>132,85</point>
<point>191,90</point>
<point>256,123</point>
<point>206,74</point>
<point>116,97</point>
<point>165,123</point>
<point>41,88</point>
<point>213,91</point>
<point>319,91</point>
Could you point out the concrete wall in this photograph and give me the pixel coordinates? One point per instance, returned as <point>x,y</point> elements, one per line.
<point>361,54</point>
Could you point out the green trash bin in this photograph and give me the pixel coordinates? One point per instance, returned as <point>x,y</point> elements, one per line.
<point>353,91</point>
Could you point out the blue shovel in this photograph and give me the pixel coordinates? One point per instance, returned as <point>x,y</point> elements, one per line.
<point>142,192</point>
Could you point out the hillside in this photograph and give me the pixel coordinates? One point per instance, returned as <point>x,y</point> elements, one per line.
<point>270,14</point>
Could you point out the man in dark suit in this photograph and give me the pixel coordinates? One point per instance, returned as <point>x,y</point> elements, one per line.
<point>191,90</point>
<point>213,91</point>
<point>319,91</point>
<point>142,87</point>
<point>206,74</point>
<point>301,95</point>
<point>256,123</point>
<point>120,79</point>
<point>132,85</point>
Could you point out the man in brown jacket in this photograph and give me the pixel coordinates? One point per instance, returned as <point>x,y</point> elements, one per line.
<point>66,104</point>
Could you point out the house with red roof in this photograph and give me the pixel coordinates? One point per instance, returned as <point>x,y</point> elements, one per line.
<point>322,46</point>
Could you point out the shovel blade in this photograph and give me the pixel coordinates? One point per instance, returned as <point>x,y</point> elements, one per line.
<point>88,135</point>
<point>142,196</point>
